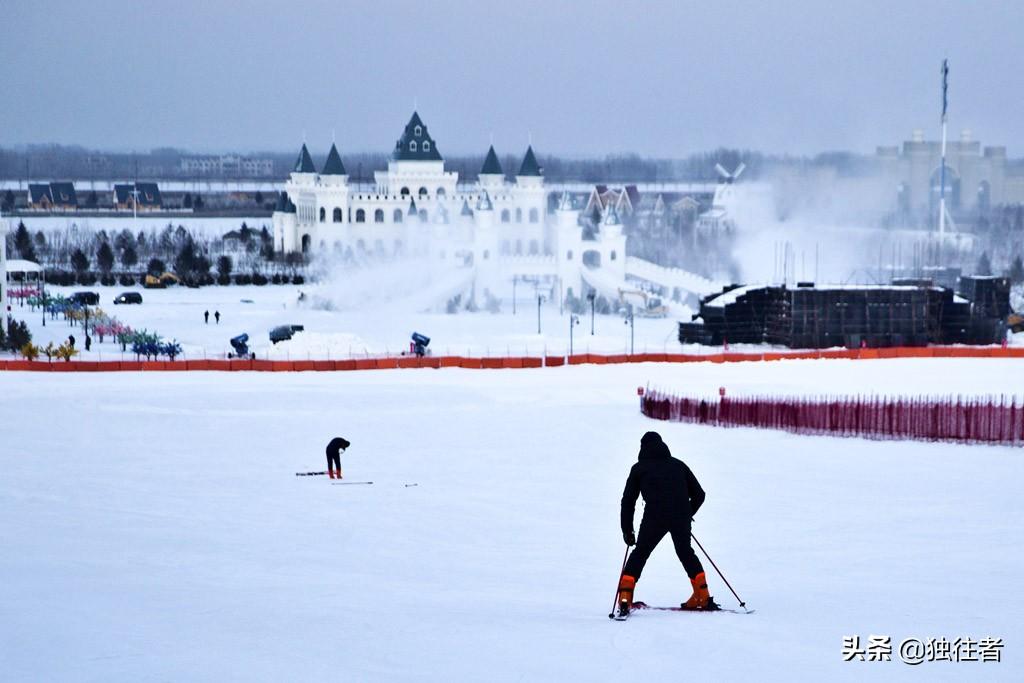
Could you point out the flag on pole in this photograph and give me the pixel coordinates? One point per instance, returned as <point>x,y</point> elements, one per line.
<point>945,86</point>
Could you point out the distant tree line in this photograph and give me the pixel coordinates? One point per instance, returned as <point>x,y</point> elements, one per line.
<point>77,256</point>
<point>78,163</point>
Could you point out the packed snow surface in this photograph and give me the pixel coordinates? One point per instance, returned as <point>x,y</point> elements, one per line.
<point>152,528</point>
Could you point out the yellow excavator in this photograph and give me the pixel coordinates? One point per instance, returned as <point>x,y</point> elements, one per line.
<point>152,282</point>
<point>645,304</point>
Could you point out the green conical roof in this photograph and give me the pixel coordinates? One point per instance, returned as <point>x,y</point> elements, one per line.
<point>333,165</point>
<point>530,167</point>
<point>304,164</point>
<point>491,164</point>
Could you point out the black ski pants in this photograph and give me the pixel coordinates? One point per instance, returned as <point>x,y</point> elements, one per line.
<point>334,460</point>
<point>652,530</point>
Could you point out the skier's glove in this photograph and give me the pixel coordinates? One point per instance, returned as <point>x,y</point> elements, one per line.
<point>629,537</point>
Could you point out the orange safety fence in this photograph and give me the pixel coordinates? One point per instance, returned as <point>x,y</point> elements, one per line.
<point>501,362</point>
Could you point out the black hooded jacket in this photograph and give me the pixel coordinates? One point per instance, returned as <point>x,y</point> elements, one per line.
<point>670,490</point>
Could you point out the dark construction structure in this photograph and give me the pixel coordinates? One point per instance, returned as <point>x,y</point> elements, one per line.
<point>910,312</point>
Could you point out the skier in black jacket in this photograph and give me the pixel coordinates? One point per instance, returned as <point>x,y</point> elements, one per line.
<point>334,450</point>
<point>672,496</point>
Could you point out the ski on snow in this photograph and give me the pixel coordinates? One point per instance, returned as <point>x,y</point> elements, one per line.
<point>643,605</point>
<point>349,483</point>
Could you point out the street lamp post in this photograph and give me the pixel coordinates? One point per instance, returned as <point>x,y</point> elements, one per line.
<point>591,297</point>
<point>629,321</point>
<point>573,321</point>
<point>515,278</point>
<point>539,300</point>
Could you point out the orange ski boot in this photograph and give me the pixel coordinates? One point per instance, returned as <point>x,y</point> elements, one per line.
<point>700,599</point>
<point>626,585</point>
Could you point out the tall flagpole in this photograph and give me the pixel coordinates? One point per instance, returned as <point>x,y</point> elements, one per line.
<point>942,186</point>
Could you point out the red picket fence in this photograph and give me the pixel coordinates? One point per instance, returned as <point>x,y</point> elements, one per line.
<point>965,420</point>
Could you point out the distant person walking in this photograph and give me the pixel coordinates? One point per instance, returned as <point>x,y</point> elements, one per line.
<point>88,343</point>
<point>206,317</point>
<point>71,340</point>
<point>216,316</point>
<point>335,448</point>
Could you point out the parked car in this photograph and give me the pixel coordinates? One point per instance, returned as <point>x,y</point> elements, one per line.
<point>284,332</point>
<point>129,298</point>
<point>85,298</point>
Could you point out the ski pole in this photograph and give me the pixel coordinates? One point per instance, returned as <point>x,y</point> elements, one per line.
<point>742,604</point>
<point>615,601</point>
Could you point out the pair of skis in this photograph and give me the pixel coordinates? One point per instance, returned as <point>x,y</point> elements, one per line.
<point>623,608</point>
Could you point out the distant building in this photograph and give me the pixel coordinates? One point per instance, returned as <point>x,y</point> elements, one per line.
<point>500,227</point>
<point>146,194</point>
<point>52,196</point>
<point>976,177</point>
<point>227,166</point>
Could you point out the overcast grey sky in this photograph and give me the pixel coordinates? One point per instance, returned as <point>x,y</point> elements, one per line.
<point>583,78</point>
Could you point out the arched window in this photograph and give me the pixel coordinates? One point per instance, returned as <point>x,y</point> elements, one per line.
<point>612,255</point>
<point>337,248</point>
<point>519,215</point>
<point>534,247</point>
<point>418,131</point>
<point>412,146</point>
<point>337,215</point>
<point>568,255</point>
<point>423,215</point>
<point>534,215</point>
<point>378,216</point>
<point>360,216</point>
<point>504,216</point>
<point>519,247</point>
<point>440,192</point>
<point>323,214</point>
<point>423,192</point>
<point>426,145</point>
<point>323,245</point>
<point>306,241</point>
<point>405,191</point>
<point>396,217</point>
<point>487,254</point>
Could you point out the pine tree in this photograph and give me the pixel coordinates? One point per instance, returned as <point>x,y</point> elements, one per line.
<point>23,243</point>
<point>984,266</point>
<point>105,258</point>
<point>1016,273</point>
<point>224,266</point>
<point>129,257</point>
<point>79,261</point>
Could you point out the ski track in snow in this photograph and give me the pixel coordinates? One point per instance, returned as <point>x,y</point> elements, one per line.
<point>153,528</point>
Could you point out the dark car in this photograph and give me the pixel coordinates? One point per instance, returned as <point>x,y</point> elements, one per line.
<point>284,332</point>
<point>129,298</point>
<point>85,298</point>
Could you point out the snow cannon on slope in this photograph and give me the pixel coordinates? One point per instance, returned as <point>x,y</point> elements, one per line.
<point>419,344</point>
<point>240,345</point>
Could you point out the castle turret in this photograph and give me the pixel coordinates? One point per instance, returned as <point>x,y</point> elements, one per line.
<point>492,177</point>
<point>284,220</point>
<point>568,238</point>
<point>613,244</point>
<point>485,241</point>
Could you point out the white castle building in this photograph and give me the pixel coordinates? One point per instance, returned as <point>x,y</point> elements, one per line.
<point>499,229</point>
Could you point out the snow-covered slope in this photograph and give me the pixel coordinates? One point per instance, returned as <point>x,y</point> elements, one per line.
<point>152,528</point>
